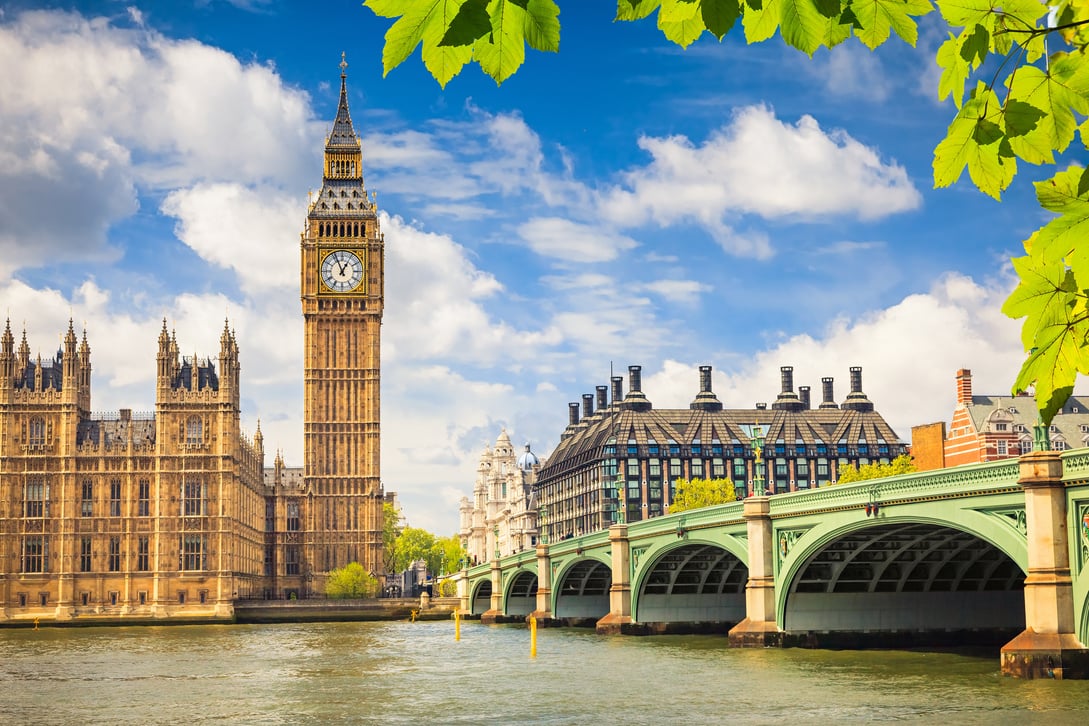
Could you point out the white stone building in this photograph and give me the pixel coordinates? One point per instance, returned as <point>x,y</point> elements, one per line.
<point>502,515</point>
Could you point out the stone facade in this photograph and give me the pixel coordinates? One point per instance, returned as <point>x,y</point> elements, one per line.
<point>138,515</point>
<point>172,514</point>
<point>502,516</point>
<point>342,281</point>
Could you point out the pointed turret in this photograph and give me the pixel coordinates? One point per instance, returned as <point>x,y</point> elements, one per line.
<point>24,355</point>
<point>7,356</point>
<point>84,373</point>
<point>343,133</point>
<point>70,362</point>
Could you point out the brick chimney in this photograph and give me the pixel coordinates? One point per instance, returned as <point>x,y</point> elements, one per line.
<point>964,386</point>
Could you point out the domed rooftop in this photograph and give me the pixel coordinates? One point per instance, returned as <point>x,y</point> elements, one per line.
<point>528,460</point>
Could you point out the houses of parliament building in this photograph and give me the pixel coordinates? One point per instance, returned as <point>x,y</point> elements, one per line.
<point>172,514</point>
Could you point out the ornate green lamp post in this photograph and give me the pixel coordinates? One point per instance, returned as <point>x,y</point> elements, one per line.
<point>758,462</point>
<point>496,533</point>
<point>622,501</point>
<point>542,525</point>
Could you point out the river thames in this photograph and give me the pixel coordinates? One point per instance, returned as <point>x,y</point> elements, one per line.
<point>379,673</point>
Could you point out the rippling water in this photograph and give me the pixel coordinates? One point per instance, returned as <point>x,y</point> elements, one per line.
<point>417,673</point>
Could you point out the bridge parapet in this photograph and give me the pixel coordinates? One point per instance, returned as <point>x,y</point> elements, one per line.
<point>968,480</point>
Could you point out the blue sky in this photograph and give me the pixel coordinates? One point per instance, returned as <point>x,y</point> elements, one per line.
<point>621,202</point>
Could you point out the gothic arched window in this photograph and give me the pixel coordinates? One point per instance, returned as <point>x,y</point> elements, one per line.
<point>36,434</point>
<point>194,431</point>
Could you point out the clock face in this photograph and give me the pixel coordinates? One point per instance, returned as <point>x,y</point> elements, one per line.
<point>341,271</point>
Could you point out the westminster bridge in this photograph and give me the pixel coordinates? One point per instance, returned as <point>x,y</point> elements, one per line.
<point>954,556</point>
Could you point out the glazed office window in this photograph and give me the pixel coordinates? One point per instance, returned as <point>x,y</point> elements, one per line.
<point>697,468</point>
<point>718,468</point>
<point>34,498</point>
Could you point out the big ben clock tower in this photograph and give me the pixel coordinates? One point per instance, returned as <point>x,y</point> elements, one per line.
<point>342,285</point>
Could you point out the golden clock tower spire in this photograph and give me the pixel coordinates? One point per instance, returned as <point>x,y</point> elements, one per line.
<point>342,299</point>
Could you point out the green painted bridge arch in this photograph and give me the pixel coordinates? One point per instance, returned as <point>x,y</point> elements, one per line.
<point>1002,546</point>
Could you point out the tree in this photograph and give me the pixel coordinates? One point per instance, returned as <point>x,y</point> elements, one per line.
<point>445,555</point>
<point>698,493</point>
<point>412,544</point>
<point>900,465</point>
<point>1027,114</point>
<point>350,582</point>
<point>391,529</point>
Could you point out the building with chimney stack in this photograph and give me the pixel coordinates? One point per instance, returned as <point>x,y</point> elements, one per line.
<point>502,516</point>
<point>989,428</point>
<point>622,456</point>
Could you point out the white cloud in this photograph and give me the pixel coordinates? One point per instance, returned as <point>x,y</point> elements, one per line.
<point>684,292</point>
<point>435,303</point>
<point>851,71</point>
<point>82,134</point>
<point>573,242</point>
<point>761,166</point>
<point>254,232</point>
<point>909,353</point>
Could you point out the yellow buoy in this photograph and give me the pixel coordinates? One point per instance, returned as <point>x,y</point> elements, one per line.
<point>457,624</point>
<point>412,617</point>
<point>532,637</point>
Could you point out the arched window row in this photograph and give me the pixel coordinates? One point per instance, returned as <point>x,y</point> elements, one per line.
<point>342,168</point>
<point>342,229</point>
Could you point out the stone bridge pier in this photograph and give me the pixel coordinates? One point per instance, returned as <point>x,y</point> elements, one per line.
<point>1048,647</point>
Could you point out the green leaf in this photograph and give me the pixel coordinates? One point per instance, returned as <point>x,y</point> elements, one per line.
<point>976,139</point>
<point>504,50</point>
<point>1021,120</point>
<point>877,18</point>
<point>955,73</point>
<point>968,13</point>
<point>720,15</point>
<point>386,8</point>
<point>407,32</point>
<point>802,25</point>
<point>469,25</point>
<point>1063,238</point>
<point>760,19</point>
<point>683,32</point>
<point>1058,92</point>
<point>443,61</point>
<point>627,10</point>
<point>542,25</point>
<point>675,11</point>
<point>975,44</point>
<point>1043,293</point>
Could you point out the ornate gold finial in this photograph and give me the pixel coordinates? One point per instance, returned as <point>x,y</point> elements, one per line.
<point>343,64</point>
